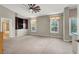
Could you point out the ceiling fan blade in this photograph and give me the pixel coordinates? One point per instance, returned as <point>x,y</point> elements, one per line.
<point>33,5</point>
<point>37,7</point>
<point>34,10</point>
<point>38,10</point>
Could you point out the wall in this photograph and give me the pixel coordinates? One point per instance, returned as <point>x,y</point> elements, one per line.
<point>6,13</point>
<point>68,12</point>
<point>43,27</point>
<point>78,20</point>
<point>21,32</point>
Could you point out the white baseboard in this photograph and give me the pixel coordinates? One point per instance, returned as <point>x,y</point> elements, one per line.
<point>67,40</point>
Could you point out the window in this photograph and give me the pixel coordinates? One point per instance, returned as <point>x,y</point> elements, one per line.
<point>72,26</point>
<point>33,25</point>
<point>54,24</point>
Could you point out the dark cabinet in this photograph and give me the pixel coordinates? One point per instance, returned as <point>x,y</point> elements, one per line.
<point>19,23</point>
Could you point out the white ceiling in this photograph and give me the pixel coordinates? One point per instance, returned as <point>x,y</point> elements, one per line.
<point>46,9</point>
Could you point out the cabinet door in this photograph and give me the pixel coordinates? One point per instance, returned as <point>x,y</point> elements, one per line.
<point>1,42</point>
<point>26,23</point>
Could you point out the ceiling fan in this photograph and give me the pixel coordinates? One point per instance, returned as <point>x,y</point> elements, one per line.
<point>34,7</point>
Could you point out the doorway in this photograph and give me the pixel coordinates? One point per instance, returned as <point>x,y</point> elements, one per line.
<point>5,28</point>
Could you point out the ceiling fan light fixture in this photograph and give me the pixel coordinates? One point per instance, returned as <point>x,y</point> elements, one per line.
<point>35,8</point>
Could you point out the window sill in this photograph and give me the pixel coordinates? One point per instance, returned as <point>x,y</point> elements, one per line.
<point>54,32</point>
<point>74,34</point>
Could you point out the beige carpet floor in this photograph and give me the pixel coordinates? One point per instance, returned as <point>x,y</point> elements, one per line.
<point>36,45</point>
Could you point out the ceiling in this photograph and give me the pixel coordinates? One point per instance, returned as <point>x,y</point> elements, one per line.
<point>46,9</point>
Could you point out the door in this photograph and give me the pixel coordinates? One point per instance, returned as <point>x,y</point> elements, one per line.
<point>5,29</point>
<point>1,42</point>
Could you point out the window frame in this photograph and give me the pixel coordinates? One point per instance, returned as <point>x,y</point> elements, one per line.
<point>34,26</point>
<point>70,26</point>
<point>57,25</point>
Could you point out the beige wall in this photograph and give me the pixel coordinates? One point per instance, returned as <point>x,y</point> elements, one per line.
<point>6,13</point>
<point>68,12</point>
<point>43,27</point>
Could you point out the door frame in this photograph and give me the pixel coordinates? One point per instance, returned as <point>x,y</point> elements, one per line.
<point>2,24</point>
